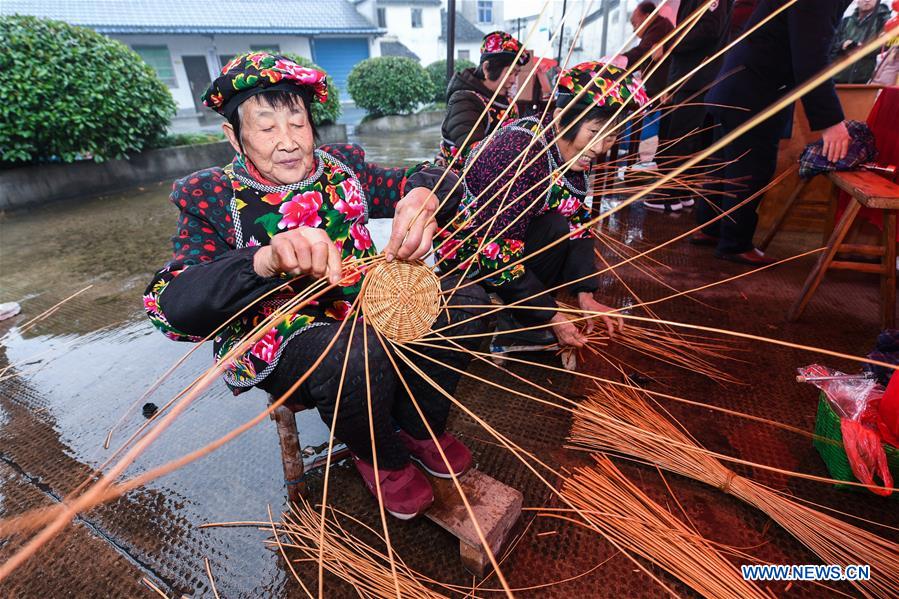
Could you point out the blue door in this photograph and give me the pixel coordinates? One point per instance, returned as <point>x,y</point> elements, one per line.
<point>338,55</point>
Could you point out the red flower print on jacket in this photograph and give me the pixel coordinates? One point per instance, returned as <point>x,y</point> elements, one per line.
<point>339,310</point>
<point>360,236</point>
<point>267,348</point>
<point>351,205</point>
<point>301,211</point>
<point>491,250</point>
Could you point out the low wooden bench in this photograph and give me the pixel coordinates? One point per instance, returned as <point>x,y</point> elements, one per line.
<point>496,506</point>
<point>868,190</point>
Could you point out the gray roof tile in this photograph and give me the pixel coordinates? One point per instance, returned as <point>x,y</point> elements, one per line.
<point>397,49</point>
<point>303,17</point>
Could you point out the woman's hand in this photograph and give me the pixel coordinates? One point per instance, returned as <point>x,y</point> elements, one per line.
<point>836,141</point>
<point>300,251</point>
<point>415,243</point>
<point>588,304</point>
<point>566,331</point>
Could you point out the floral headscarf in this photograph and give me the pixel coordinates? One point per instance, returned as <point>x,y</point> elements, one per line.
<point>255,72</point>
<point>611,89</point>
<point>500,43</point>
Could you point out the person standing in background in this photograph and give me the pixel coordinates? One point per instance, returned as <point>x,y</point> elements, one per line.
<point>865,23</point>
<point>776,58</point>
<point>687,126</point>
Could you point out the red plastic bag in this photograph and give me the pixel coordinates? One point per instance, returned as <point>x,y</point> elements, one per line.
<point>866,455</point>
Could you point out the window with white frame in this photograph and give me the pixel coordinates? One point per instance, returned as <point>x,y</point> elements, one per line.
<point>271,48</point>
<point>416,18</point>
<point>485,11</point>
<point>382,18</point>
<point>160,59</point>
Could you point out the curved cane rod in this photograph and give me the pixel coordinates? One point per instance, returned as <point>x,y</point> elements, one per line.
<point>482,146</point>
<point>321,538</point>
<point>474,520</point>
<point>676,238</point>
<point>96,495</point>
<point>374,458</point>
<point>508,444</point>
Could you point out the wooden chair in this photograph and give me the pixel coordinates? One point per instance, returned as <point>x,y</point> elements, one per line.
<point>868,190</point>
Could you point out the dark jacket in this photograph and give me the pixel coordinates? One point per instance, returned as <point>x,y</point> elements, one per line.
<point>466,98</point>
<point>704,39</point>
<point>655,32</point>
<point>785,52</point>
<point>859,31</point>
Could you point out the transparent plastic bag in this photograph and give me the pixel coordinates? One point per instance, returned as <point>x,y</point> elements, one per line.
<point>856,400</point>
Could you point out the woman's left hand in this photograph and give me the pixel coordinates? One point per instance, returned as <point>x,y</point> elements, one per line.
<point>413,225</point>
<point>588,304</point>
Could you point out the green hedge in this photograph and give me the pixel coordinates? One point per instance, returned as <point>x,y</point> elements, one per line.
<point>330,111</point>
<point>389,85</point>
<point>68,92</point>
<point>437,73</point>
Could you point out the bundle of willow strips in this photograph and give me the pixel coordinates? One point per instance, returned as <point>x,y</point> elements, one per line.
<point>639,525</point>
<point>346,556</point>
<point>690,352</point>
<point>619,420</point>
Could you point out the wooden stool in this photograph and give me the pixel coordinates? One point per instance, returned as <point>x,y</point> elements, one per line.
<point>291,452</point>
<point>871,191</point>
<point>496,506</point>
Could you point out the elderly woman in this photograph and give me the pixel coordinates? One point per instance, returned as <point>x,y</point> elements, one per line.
<point>469,92</point>
<point>284,208</point>
<point>538,207</point>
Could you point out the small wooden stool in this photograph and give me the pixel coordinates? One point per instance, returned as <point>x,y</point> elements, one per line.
<point>871,191</point>
<point>291,452</point>
<point>496,506</point>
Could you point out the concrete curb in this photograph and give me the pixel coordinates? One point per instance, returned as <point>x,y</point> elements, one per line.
<point>408,122</point>
<point>36,185</point>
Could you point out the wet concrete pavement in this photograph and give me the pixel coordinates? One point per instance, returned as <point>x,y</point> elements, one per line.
<point>81,368</point>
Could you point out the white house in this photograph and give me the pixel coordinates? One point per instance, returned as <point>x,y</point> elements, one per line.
<point>188,42</point>
<point>417,28</point>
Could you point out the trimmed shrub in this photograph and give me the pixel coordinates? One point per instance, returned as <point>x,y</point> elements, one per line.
<point>437,73</point>
<point>389,85</point>
<point>330,111</point>
<point>68,92</point>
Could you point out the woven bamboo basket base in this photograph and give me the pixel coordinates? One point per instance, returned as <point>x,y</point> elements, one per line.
<point>401,300</point>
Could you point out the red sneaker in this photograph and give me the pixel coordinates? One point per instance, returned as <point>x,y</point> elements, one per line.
<point>425,453</point>
<point>406,492</point>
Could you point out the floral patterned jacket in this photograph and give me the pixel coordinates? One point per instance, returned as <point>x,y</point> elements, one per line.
<point>226,214</point>
<point>538,189</point>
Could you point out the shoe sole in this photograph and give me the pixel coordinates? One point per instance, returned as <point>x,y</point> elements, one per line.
<point>735,260</point>
<point>400,516</point>
<point>435,474</point>
<point>668,209</point>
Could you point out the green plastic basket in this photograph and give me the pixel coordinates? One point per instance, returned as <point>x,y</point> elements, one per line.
<point>827,425</point>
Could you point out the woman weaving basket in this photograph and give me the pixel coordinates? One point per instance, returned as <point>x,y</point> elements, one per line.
<point>284,208</point>
<point>506,215</point>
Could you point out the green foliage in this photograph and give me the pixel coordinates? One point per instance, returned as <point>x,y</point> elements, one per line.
<point>329,112</point>
<point>188,139</point>
<point>437,73</point>
<point>68,92</point>
<point>389,85</point>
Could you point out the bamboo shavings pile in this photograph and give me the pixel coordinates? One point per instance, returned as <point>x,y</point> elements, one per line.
<point>619,420</point>
<point>636,523</point>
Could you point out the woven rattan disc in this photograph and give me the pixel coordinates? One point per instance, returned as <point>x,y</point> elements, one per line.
<point>401,299</point>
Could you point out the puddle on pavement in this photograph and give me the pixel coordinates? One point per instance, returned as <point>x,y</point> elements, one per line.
<point>82,367</point>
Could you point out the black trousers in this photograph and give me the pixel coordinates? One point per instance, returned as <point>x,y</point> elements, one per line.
<point>391,405</point>
<point>753,160</point>
<point>563,263</point>
<point>687,130</point>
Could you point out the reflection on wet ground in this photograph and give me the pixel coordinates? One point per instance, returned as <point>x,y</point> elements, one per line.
<point>80,369</point>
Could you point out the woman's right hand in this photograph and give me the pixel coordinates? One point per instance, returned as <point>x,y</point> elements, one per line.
<point>566,332</point>
<point>301,251</point>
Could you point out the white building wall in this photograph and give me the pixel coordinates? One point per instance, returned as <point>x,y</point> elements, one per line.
<point>423,40</point>
<point>211,47</point>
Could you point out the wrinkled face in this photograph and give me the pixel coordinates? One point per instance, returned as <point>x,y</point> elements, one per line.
<point>277,140</point>
<point>866,5</point>
<point>509,84</point>
<point>584,140</point>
